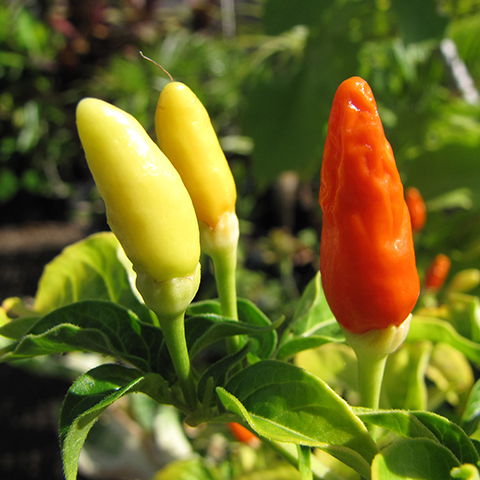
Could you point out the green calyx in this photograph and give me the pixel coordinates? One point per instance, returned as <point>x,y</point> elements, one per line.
<point>379,342</point>
<point>223,239</point>
<point>372,349</point>
<point>170,298</point>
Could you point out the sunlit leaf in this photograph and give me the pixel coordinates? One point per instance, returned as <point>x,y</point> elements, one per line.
<point>89,396</point>
<point>419,459</point>
<point>422,424</point>
<point>471,414</point>
<point>188,469</point>
<point>286,404</point>
<point>88,270</point>
<point>436,330</point>
<point>94,326</point>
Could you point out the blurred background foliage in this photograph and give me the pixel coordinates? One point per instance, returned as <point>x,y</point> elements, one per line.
<point>266,71</point>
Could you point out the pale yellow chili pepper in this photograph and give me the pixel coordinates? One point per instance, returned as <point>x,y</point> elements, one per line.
<point>148,207</point>
<point>186,136</point>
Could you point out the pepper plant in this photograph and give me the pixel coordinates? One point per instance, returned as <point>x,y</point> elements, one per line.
<point>129,296</point>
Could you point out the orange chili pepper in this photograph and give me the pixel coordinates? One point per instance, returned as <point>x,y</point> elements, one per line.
<point>243,435</point>
<point>416,207</point>
<point>367,258</point>
<point>437,273</point>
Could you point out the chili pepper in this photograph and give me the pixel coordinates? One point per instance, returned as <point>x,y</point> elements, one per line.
<point>243,435</point>
<point>437,273</point>
<point>416,207</point>
<point>148,207</point>
<point>367,258</point>
<point>186,136</point>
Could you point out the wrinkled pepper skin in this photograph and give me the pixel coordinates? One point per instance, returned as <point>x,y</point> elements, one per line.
<point>367,258</point>
<point>186,135</point>
<point>148,207</point>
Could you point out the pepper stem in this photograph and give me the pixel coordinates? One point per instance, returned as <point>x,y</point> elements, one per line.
<point>304,462</point>
<point>169,300</point>
<point>174,334</point>
<point>220,244</point>
<point>372,349</point>
<point>225,264</point>
<point>370,378</point>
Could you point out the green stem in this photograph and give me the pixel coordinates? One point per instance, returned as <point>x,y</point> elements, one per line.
<point>372,349</point>
<point>289,453</point>
<point>304,464</point>
<point>370,377</point>
<point>225,265</point>
<point>220,244</point>
<point>174,334</point>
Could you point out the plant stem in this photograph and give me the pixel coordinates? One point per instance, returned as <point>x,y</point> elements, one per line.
<point>304,465</point>
<point>225,265</point>
<point>291,455</point>
<point>220,244</point>
<point>372,349</point>
<point>370,377</point>
<point>174,334</point>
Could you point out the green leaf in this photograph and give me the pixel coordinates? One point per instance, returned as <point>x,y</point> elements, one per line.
<point>287,107</point>
<point>464,315</point>
<point>263,345</point>
<point>471,414</point>
<point>204,330</point>
<point>217,373</point>
<point>18,327</point>
<point>436,330</point>
<point>88,270</point>
<point>418,458</point>
<point>94,326</point>
<point>204,307</point>
<point>419,21</point>
<point>312,325</point>
<point>283,15</point>
<point>404,383</point>
<point>449,176</point>
<point>86,400</point>
<point>450,376</point>
<point>312,314</point>
<point>287,404</point>
<point>297,345</point>
<point>188,469</point>
<point>427,425</point>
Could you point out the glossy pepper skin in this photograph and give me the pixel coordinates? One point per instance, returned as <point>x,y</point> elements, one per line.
<point>148,207</point>
<point>186,136</point>
<point>367,258</point>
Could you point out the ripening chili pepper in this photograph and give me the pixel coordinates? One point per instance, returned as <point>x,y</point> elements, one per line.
<point>416,207</point>
<point>437,273</point>
<point>148,207</point>
<point>186,136</point>
<point>367,258</point>
<point>243,435</point>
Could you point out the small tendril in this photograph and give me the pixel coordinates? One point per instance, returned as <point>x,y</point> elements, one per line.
<point>157,64</point>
